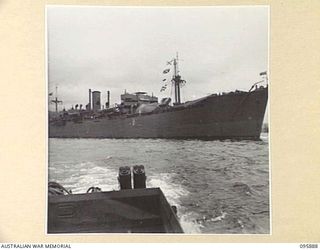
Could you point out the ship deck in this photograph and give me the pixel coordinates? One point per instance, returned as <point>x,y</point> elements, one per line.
<point>124,211</point>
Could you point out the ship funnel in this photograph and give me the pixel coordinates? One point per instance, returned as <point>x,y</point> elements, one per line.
<point>108,100</point>
<point>96,104</point>
<point>89,107</point>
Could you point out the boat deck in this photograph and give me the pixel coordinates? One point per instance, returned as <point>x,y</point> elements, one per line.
<point>125,211</point>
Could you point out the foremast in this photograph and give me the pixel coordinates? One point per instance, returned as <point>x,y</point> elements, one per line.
<point>177,81</point>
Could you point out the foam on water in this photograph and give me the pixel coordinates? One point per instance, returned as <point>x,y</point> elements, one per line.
<point>220,217</point>
<point>187,221</point>
<point>171,190</point>
<point>80,176</point>
<point>173,193</point>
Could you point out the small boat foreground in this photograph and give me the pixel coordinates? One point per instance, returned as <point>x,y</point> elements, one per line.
<point>137,210</point>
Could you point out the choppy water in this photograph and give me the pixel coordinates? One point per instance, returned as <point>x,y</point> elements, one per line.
<point>219,187</point>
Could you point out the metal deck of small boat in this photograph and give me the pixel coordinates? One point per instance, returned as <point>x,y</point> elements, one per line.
<point>141,210</point>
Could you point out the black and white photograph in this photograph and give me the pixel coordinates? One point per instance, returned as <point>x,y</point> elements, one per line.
<point>158,120</point>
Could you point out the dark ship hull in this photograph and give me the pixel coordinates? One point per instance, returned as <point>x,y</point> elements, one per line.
<point>235,115</point>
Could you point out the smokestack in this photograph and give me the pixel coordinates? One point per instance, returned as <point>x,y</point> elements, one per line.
<point>108,99</point>
<point>89,99</point>
<point>96,105</point>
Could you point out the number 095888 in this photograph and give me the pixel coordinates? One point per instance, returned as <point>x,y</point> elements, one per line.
<point>308,245</point>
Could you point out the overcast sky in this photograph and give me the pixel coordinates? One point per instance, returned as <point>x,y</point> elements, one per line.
<point>116,48</point>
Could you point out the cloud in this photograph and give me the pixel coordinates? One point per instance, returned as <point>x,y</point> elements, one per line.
<point>114,48</point>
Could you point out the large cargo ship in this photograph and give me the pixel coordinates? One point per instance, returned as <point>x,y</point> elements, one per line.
<point>233,115</point>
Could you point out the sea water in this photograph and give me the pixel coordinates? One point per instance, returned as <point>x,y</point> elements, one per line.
<point>219,187</point>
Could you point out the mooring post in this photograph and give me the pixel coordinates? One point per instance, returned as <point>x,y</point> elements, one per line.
<point>124,178</point>
<point>139,176</point>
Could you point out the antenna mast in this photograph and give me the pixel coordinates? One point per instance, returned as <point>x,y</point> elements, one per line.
<point>56,101</point>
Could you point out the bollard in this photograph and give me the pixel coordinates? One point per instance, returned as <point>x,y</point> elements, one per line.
<point>124,178</point>
<point>139,177</point>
